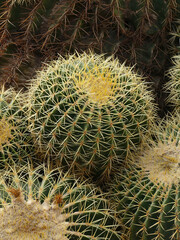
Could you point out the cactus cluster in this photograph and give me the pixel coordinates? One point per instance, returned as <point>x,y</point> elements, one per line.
<point>45,204</point>
<point>15,140</point>
<point>89,116</point>
<point>89,112</point>
<point>147,192</point>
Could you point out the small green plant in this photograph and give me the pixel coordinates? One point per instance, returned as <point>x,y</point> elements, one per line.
<point>89,112</point>
<point>15,141</point>
<point>173,86</point>
<point>147,193</point>
<point>43,204</point>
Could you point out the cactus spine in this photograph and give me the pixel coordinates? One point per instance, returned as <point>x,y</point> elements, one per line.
<point>15,140</point>
<point>173,86</point>
<point>43,204</point>
<point>89,112</point>
<point>147,194</point>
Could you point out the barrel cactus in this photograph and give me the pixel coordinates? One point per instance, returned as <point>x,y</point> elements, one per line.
<point>147,193</point>
<point>173,86</point>
<point>15,140</point>
<point>89,112</point>
<point>44,204</point>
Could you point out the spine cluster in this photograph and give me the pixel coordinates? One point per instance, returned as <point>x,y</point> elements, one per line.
<point>173,85</point>
<point>15,140</point>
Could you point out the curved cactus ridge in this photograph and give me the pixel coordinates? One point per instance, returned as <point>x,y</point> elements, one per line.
<point>147,194</point>
<point>15,140</point>
<point>173,86</point>
<point>89,111</point>
<point>44,204</point>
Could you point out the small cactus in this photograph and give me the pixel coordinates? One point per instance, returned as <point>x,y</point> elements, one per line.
<point>43,204</point>
<point>173,86</point>
<point>15,141</point>
<point>147,193</point>
<point>89,111</point>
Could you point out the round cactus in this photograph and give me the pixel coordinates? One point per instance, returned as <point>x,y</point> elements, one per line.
<point>147,193</point>
<point>15,141</point>
<point>173,86</point>
<point>43,204</point>
<point>89,112</point>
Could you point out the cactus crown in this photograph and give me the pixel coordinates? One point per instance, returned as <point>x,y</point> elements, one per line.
<point>43,204</point>
<point>100,79</point>
<point>163,163</point>
<point>162,158</point>
<point>97,80</point>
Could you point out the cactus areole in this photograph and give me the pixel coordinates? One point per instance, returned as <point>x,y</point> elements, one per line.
<point>89,111</point>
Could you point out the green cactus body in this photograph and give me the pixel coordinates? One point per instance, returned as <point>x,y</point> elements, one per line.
<point>15,141</point>
<point>147,193</point>
<point>43,204</point>
<point>89,112</point>
<point>173,86</point>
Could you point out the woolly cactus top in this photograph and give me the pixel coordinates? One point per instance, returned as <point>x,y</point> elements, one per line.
<point>43,204</point>
<point>163,163</point>
<point>161,160</point>
<point>97,80</point>
<point>102,80</point>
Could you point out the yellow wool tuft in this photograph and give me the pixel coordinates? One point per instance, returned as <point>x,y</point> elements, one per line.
<point>98,83</point>
<point>5,132</point>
